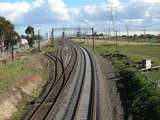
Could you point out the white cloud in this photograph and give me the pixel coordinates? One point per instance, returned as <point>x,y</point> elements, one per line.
<point>14,11</point>
<point>90,9</point>
<point>147,14</point>
<point>37,3</point>
<point>137,21</point>
<point>116,4</point>
<point>59,9</point>
<point>114,1</point>
<point>56,11</point>
<point>151,1</point>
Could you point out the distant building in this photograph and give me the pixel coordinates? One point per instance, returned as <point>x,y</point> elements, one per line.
<point>23,44</point>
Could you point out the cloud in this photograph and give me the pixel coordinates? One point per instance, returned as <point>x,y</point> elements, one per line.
<point>14,11</point>
<point>37,3</point>
<point>151,1</point>
<point>138,12</point>
<point>59,9</point>
<point>90,13</point>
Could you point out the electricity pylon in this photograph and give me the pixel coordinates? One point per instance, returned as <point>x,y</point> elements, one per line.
<point>111,20</point>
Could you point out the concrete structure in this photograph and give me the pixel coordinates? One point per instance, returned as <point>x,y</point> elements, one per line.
<point>147,64</point>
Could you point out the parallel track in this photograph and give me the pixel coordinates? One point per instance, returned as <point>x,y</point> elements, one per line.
<point>59,84</point>
<point>63,85</point>
<point>54,90</point>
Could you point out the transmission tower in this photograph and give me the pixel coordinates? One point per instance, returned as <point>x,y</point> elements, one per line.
<point>111,20</point>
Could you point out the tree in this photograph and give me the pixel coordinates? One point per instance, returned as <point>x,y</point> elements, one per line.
<point>30,35</point>
<point>7,34</point>
<point>29,30</point>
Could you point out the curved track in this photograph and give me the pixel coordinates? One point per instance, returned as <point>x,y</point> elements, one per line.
<point>82,102</point>
<point>40,110</point>
<point>85,107</point>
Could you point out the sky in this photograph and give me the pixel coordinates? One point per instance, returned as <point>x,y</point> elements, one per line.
<point>46,14</point>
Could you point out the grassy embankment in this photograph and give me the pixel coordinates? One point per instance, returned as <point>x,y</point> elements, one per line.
<point>28,66</point>
<point>140,97</point>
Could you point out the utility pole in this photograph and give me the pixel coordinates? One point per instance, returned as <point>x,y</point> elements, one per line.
<point>127,30</point>
<point>119,33</point>
<point>144,30</point>
<point>52,37</point>
<point>63,33</point>
<point>39,49</point>
<point>109,32</point>
<point>116,41</point>
<point>93,40</point>
<point>47,36</point>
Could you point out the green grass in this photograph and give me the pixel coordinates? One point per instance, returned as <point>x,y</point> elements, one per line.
<point>35,64</point>
<point>17,70</point>
<point>11,72</point>
<point>30,65</point>
<point>155,75</point>
<point>136,53</point>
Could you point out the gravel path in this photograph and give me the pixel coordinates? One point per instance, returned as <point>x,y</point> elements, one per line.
<point>108,97</point>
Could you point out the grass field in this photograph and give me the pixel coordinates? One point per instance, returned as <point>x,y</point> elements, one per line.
<point>120,42</point>
<point>136,52</point>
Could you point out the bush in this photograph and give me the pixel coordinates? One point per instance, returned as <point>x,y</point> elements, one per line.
<point>141,97</point>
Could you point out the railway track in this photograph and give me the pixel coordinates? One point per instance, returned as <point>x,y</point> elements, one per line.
<point>86,102</point>
<point>82,100</point>
<point>41,109</point>
<point>81,103</point>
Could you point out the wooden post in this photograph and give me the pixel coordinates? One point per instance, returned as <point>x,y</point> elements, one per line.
<point>12,50</point>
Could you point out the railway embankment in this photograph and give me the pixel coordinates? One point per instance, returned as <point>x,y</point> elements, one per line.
<point>21,81</point>
<point>139,94</point>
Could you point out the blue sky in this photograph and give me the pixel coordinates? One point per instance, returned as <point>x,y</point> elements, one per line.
<point>69,3</point>
<point>45,14</point>
<point>72,3</point>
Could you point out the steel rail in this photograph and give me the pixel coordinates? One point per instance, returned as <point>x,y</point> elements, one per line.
<point>92,114</point>
<point>64,85</point>
<point>52,87</point>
